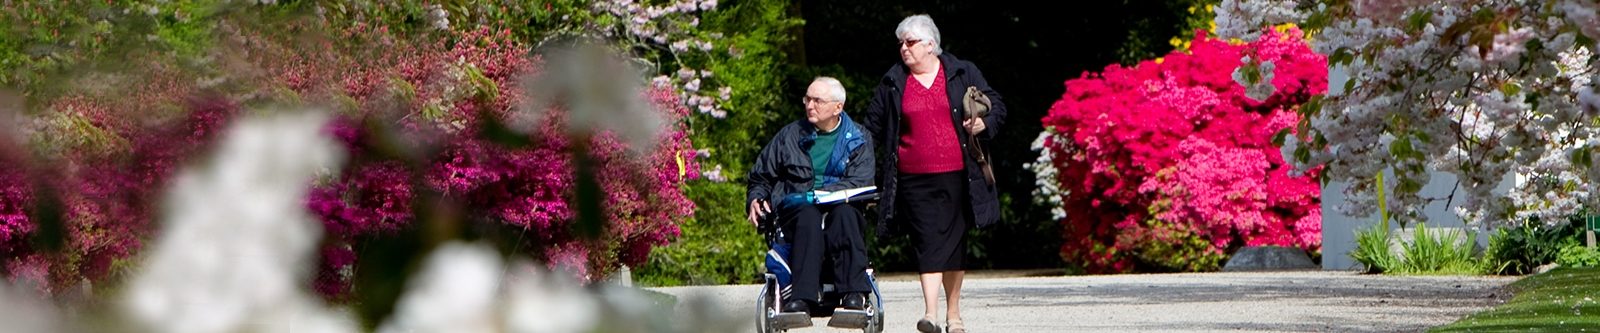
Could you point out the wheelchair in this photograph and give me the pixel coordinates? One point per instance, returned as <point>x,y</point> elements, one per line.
<point>771,318</point>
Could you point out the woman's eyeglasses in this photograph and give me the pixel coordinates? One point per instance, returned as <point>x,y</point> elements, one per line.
<point>910,42</point>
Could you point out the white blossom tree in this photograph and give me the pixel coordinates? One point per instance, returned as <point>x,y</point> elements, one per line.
<point>1477,89</point>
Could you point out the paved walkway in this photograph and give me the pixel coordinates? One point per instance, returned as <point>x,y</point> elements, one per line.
<point>1310,301</point>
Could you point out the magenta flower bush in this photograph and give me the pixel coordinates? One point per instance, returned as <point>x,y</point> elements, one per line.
<point>103,185</point>
<point>411,115</point>
<point>1170,164</point>
<point>443,91</point>
<point>16,196</point>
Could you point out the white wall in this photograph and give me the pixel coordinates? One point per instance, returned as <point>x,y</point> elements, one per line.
<point>1338,230</point>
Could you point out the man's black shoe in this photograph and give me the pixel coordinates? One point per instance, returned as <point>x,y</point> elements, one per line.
<point>796,306</point>
<point>855,301</point>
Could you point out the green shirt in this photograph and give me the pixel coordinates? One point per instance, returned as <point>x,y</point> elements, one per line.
<point>821,151</point>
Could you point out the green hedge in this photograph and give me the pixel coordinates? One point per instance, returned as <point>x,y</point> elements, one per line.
<point>718,245</point>
<point>45,46</point>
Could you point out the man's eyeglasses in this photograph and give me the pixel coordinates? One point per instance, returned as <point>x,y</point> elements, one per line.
<point>815,100</point>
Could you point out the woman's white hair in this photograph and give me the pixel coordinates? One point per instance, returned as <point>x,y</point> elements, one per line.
<point>835,89</point>
<point>920,27</point>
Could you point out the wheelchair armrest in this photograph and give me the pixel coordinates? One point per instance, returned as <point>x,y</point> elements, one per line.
<point>865,197</point>
<point>768,225</point>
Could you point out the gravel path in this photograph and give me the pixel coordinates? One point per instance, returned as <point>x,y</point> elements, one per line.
<point>1309,301</point>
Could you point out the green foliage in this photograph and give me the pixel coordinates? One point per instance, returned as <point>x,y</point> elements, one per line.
<point>1561,300</point>
<point>1019,242</point>
<point>74,132</point>
<point>718,245</point>
<point>755,66</point>
<point>758,31</point>
<point>1574,255</point>
<point>895,253</point>
<point>1520,249</point>
<point>1440,252</point>
<point>1177,250</point>
<point>42,42</point>
<point>1161,27</point>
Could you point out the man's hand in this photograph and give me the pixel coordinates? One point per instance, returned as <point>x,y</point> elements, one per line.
<point>758,208</point>
<point>974,126</point>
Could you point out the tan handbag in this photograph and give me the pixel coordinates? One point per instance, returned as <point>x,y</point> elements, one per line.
<point>977,105</point>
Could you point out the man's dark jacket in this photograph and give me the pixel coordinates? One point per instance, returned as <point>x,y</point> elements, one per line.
<point>784,165</point>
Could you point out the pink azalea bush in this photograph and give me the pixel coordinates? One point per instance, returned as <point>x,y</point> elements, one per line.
<point>16,197</point>
<point>103,188</point>
<point>411,115</point>
<point>442,92</point>
<point>1169,165</point>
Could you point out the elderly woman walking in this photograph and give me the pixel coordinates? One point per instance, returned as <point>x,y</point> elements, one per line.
<point>933,113</point>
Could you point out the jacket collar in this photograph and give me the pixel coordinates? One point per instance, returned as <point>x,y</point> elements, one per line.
<point>846,126</point>
<point>897,75</point>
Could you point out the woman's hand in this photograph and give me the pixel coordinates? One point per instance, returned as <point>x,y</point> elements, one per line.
<point>974,126</point>
<point>758,208</point>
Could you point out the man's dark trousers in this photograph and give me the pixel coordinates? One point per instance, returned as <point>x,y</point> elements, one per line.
<point>841,241</point>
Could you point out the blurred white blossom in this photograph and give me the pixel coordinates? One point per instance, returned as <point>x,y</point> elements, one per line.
<point>23,311</point>
<point>236,243</point>
<point>539,301</point>
<point>454,291</point>
<point>600,90</point>
<point>438,18</point>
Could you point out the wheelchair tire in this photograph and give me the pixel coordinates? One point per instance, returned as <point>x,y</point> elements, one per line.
<point>875,301</point>
<point>876,324</point>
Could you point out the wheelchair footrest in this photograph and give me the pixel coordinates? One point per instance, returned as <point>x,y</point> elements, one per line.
<point>788,320</point>
<point>845,318</point>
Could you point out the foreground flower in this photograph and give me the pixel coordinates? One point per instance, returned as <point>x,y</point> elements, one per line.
<point>236,243</point>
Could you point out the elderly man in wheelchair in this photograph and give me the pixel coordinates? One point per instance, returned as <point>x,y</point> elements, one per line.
<point>826,152</point>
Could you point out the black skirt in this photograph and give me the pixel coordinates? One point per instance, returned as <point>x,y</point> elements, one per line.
<point>937,208</point>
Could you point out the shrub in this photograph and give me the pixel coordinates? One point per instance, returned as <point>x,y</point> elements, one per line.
<point>1520,249</point>
<point>1439,253</point>
<point>1575,255</point>
<point>87,204</point>
<point>449,95</point>
<point>425,118</point>
<point>46,47</point>
<point>1373,250</point>
<point>1426,252</point>
<point>726,62</point>
<point>757,74</point>
<point>718,245</point>
<point>1185,141</point>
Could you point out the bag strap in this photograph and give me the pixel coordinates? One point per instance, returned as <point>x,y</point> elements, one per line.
<point>983,158</point>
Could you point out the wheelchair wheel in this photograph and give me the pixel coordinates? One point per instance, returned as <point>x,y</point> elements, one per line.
<point>764,306</point>
<point>875,322</point>
<point>875,325</point>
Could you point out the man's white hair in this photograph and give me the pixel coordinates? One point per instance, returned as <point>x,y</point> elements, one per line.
<point>835,89</point>
<point>920,27</point>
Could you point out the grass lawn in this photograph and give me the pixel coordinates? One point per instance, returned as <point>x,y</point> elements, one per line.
<point>1562,300</point>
